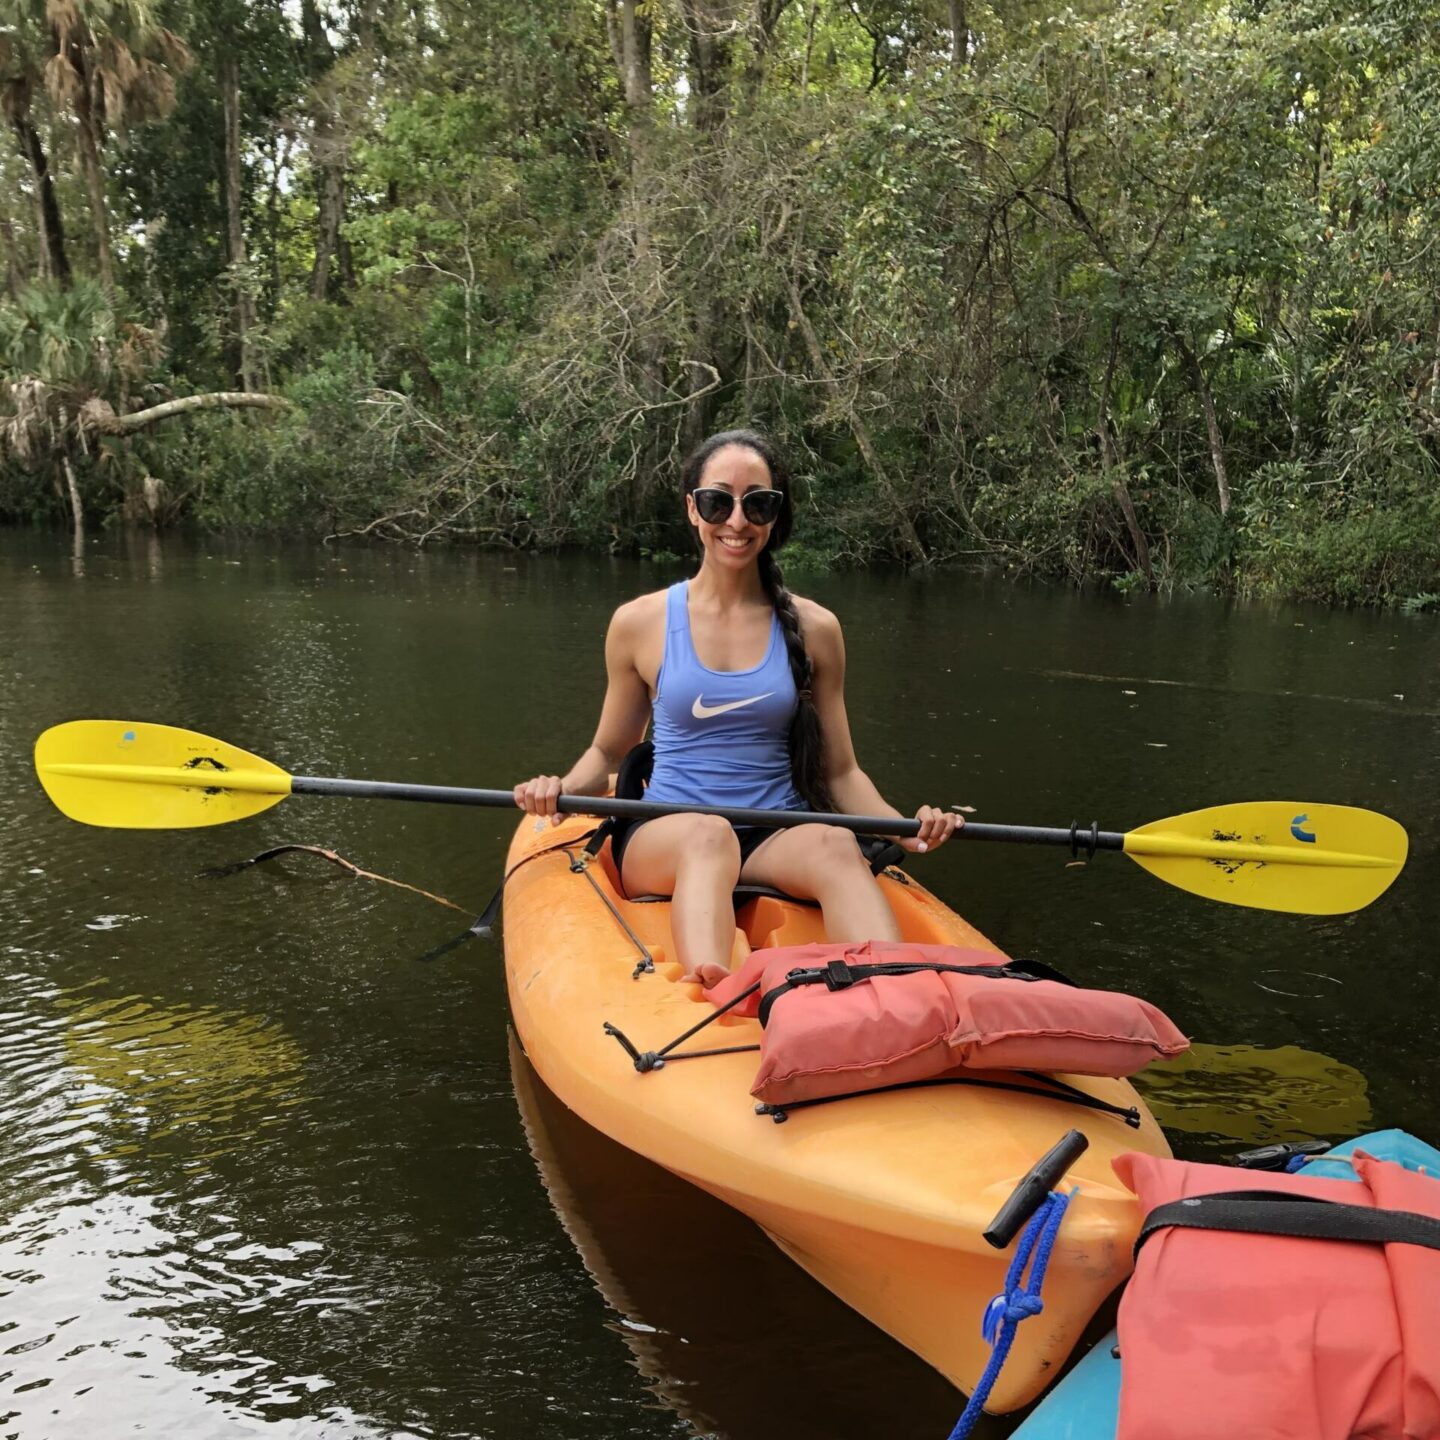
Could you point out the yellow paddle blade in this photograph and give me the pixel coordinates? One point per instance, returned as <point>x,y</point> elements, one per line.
<point>1276,855</point>
<point>152,777</point>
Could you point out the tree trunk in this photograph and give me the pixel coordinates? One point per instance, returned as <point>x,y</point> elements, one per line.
<point>634,57</point>
<point>1212,423</point>
<point>768,14</point>
<point>959,35</point>
<point>628,27</point>
<point>327,153</point>
<point>1435,368</point>
<point>12,260</point>
<point>280,161</point>
<point>154,289</point>
<point>710,23</point>
<point>330,211</point>
<point>235,228</point>
<point>77,513</point>
<point>54,262</point>
<point>812,14</point>
<point>1110,460</point>
<point>87,137</point>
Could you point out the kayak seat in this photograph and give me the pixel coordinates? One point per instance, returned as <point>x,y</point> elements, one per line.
<point>630,782</point>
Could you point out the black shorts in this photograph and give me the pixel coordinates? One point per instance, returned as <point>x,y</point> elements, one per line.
<point>751,837</point>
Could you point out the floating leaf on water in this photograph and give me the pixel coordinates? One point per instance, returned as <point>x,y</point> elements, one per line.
<point>109,922</point>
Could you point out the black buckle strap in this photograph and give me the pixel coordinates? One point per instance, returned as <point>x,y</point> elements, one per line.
<point>603,831</point>
<point>1281,1212</point>
<point>840,975</point>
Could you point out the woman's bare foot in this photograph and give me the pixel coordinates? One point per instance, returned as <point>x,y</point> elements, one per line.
<point>708,974</point>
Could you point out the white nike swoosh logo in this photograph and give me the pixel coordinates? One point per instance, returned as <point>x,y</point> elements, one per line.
<point>701,711</point>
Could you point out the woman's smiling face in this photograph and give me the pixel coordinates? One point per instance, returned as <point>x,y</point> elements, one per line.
<point>737,540</point>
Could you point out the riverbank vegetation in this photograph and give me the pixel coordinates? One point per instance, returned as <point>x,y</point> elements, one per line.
<point>1147,290</point>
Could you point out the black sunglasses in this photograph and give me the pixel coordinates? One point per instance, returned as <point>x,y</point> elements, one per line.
<point>761,507</point>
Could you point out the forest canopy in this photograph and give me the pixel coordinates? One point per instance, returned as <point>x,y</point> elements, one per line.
<point>1147,291</point>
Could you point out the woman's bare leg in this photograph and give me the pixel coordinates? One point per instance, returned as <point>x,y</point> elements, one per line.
<point>695,859</point>
<point>824,863</point>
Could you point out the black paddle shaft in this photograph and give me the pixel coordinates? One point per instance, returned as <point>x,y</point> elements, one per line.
<point>1076,836</point>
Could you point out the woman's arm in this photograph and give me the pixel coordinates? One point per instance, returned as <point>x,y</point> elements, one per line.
<point>853,791</point>
<point>623,718</point>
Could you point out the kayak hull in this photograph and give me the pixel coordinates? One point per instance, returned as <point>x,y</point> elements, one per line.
<point>881,1197</point>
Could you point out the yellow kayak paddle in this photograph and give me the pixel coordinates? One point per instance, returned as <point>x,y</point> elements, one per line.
<point>1268,854</point>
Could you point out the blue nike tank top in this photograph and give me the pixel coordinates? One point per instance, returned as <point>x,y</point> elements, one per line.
<point>721,736</point>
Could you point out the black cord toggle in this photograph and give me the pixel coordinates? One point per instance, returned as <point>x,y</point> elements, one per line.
<point>655,1059</point>
<point>624,1039</point>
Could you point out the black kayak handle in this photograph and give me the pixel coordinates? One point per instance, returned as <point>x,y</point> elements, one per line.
<point>1028,1195</point>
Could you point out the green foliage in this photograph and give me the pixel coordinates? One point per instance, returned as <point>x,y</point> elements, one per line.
<point>1141,290</point>
<point>1347,548</point>
<point>64,338</point>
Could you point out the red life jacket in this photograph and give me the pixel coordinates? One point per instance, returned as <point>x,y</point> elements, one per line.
<point>1238,1335</point>
<point>859,1022</point>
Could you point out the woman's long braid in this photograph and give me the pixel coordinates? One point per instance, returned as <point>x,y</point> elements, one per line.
<point>807,749</point>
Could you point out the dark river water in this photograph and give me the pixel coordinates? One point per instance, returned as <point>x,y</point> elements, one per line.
<point>260,1170</point>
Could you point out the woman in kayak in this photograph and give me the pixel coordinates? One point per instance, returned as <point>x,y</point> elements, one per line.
<point>745,684</point>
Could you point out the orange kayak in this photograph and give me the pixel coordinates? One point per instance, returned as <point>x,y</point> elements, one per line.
<point>883,1198</point>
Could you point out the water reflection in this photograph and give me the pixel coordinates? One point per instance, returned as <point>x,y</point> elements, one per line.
<point>105,1308</point>
<point>159,1069</point>
<point>1225,1097</point>
<point>728,1333</point>
<point>122,1298</point>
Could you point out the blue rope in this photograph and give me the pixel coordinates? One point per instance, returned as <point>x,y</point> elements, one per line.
<point>1019,1300</point>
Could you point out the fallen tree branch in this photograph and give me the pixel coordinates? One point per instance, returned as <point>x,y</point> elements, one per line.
<point>220,872</point>
<point>97,417</point>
